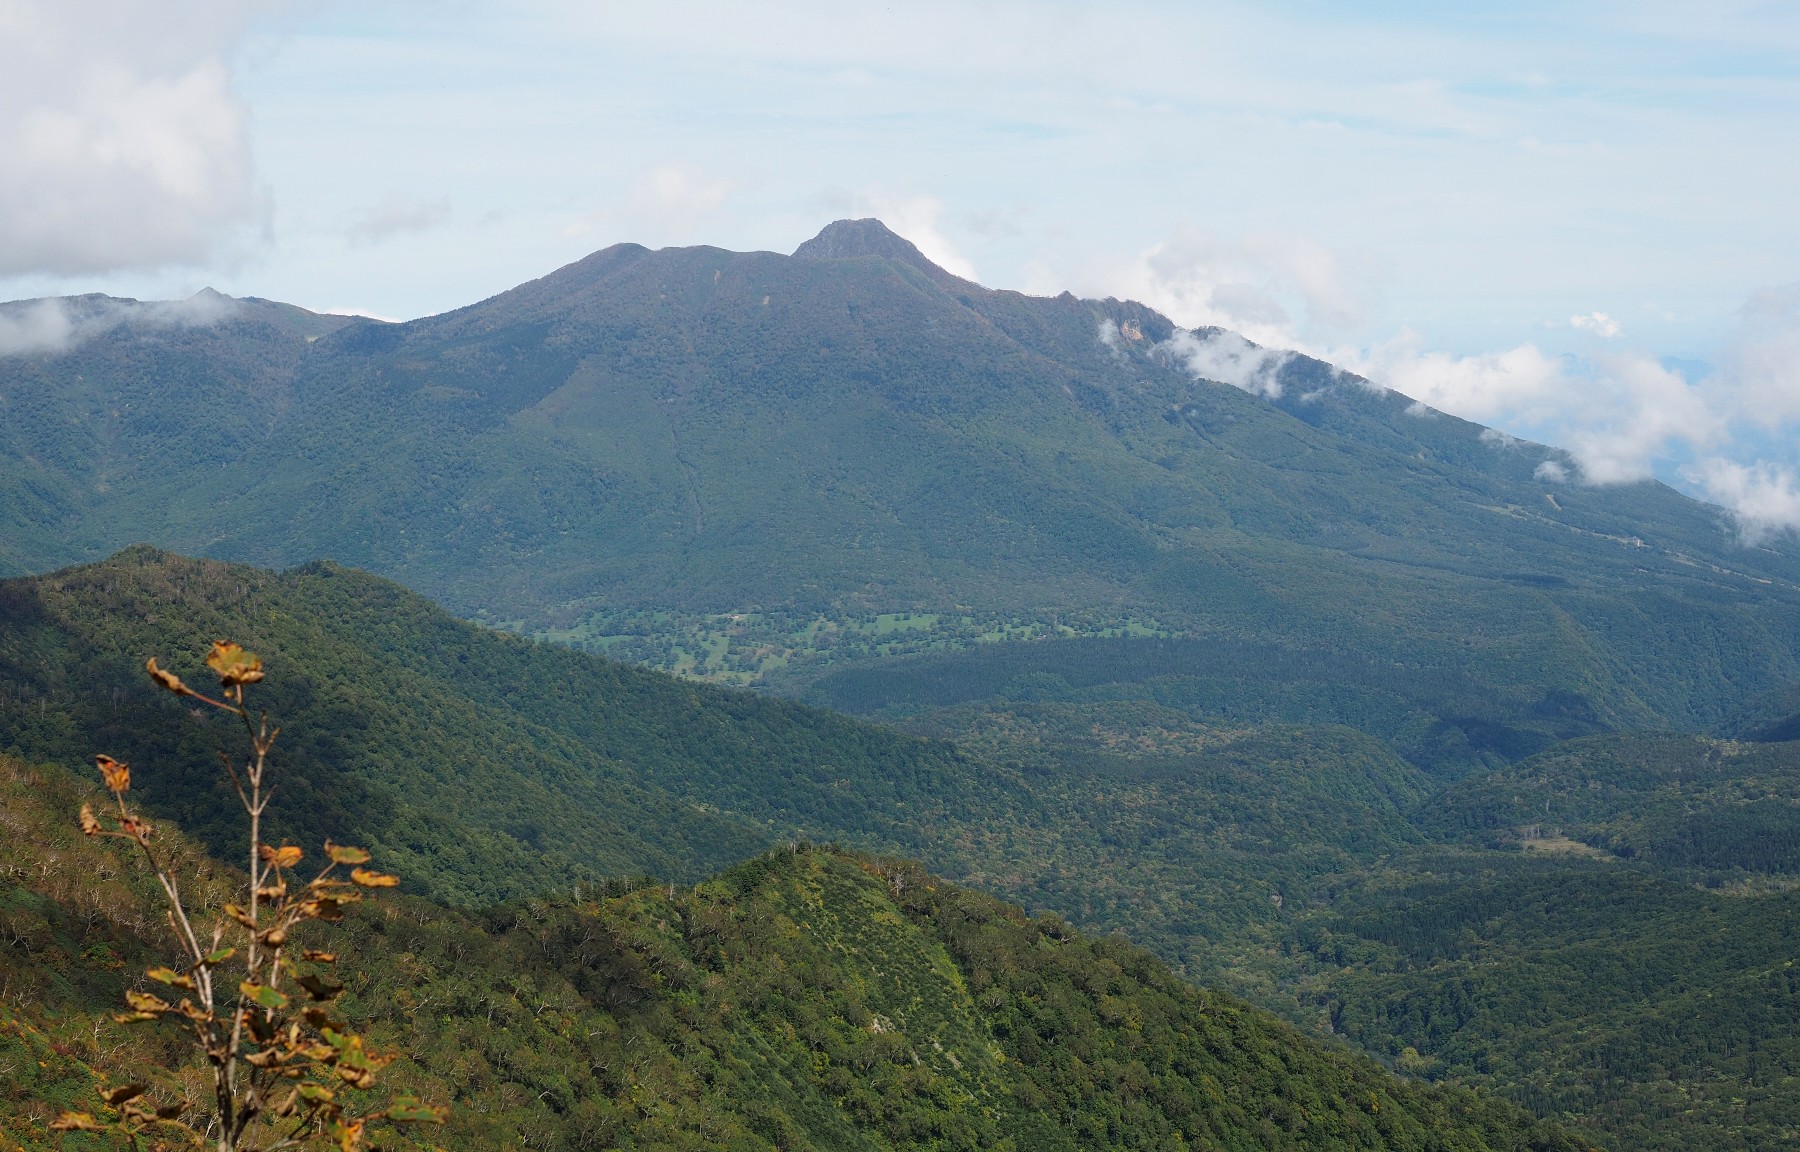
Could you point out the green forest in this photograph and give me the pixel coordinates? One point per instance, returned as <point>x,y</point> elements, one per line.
<point>805,999</point>
<point>1598,934</point>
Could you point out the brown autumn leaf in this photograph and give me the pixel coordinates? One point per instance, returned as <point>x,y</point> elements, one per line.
<point>367,879</point>
<point>319,957</point>
<point>321,1018</point>
<point>90,823</point>
<point>118,1096</point>
<point>167,679</point>
<point>285,856</point>
<point>234,665</point>
<point>116,774</point>
<point>318,989</point>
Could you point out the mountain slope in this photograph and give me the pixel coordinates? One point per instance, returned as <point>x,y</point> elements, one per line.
<point>746,465</point>
<point>484,765</point>
<point>1306,867</point>
<point>805,1000</point>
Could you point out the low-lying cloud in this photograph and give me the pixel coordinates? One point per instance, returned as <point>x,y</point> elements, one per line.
<point>45,327</point>
<point>1620,413</point>
<point>1218,354</point>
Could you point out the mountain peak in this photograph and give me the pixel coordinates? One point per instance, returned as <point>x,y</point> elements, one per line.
<point>847,239</point>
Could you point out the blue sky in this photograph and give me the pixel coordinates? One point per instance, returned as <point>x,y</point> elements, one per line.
<point>1517,212</point>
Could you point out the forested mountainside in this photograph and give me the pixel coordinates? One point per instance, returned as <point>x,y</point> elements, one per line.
<point>756,467</point>
<point>1602,933</point>
<point>806,999</point>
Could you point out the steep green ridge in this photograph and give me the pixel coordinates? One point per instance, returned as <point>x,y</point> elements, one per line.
<point>483,765</point>
<point>804,1000</point>
<point>748,465</point>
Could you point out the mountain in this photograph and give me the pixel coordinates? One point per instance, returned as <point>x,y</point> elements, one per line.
<point>1600,932</point>
<point>781,469</point>
<point>807,999</point>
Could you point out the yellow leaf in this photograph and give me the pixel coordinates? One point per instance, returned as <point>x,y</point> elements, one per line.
<point>170,976</point>
<point>370,879</point>
<point>90,824</point>
<point>115,773</point>
<point>342,855</point>
<point>285,856</point>
<point>167,679</point>
<point>233,664</point>
<point>145,1002</point>
<point>319,957</point>
<point>348,1135</point>
<point>410,1110</point>
<point>75,1122</point>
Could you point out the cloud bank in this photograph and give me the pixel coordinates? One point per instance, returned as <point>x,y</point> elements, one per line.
<point>122,143</point>
<point>46,327</point>
<point>1732,433</point>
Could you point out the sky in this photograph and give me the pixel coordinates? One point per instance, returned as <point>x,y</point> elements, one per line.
<point>1572,221</point>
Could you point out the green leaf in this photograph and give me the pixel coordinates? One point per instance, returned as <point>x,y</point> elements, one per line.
<point>264,995</point>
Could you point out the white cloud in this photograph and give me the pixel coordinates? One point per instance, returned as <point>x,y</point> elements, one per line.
<point>1759,373</point>
<point>1269,286</point>
<point>395,216</point>
<point>122,143</point>
<point>35,326</point>
<point>1552,471</point>
<point>1599,323</point>
<point>1763,498</point>
<point>57,325</point>
<point>673,198</point>
<point>1483,387</point>
<point>1628,413</point>
<point>1228,358</point>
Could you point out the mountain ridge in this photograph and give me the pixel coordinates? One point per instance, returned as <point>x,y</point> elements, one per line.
<point>766,469</point>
